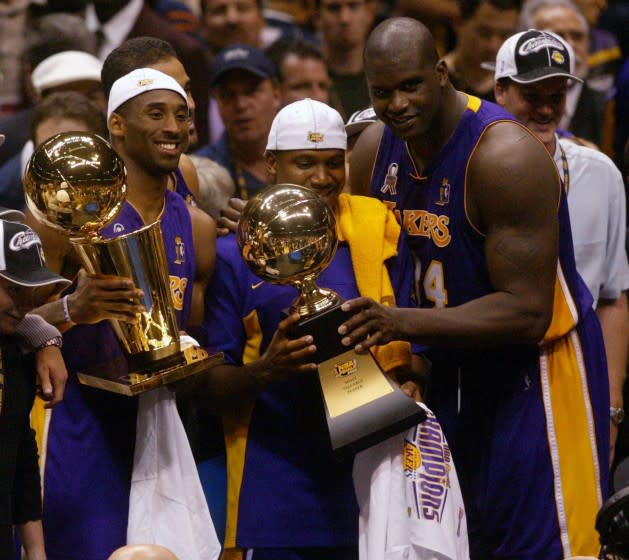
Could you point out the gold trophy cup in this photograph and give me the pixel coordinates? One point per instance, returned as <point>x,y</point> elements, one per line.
<point>75,183</point>
<point>287,235</point>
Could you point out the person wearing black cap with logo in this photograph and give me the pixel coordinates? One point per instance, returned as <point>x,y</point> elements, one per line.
<point>519,381</point>
<point>532,83</point>
<point>246,90</point>
<point>22,272</point>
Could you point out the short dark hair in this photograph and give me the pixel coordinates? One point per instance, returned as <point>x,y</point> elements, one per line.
<point>301,48</point>
<point>135,53</point>
<point>469,7</point>
<point>70,105</point>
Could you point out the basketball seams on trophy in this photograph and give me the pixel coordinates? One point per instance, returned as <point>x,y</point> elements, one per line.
<point>287,235</point>
<point>75,183</point>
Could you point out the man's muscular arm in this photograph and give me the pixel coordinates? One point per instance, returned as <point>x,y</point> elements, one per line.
<point>204,239</point>
<point>512,197</point>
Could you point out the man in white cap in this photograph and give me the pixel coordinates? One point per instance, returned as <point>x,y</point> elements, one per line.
<point>533,87</point>
<point>290,497</point>
<point>22,273</point>
<point>148,125</point>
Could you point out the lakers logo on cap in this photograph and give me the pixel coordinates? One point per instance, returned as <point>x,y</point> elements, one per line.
<point>145,82</point>
<point>558,57</point>
<point>315,137</point>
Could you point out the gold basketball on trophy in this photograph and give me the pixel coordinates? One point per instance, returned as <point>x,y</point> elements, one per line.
<point>287,235</point>
<point>75,183</point>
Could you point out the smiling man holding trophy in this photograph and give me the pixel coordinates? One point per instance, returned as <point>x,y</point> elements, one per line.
<point>289,496</point>
<point>107,480</point>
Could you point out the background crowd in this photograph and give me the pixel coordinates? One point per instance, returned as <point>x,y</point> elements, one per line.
<point>239,63</point>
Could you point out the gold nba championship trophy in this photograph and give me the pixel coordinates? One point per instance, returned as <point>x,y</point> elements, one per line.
<point>75,183</point>
<point>287,235</point>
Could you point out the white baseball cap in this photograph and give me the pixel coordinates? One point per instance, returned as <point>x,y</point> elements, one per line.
<point>531,56</point>
<point>64,68</point>
<point>140,81</point>
<point>307,125</point>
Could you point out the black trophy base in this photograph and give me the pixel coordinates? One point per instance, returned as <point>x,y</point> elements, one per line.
<point>363,406</point>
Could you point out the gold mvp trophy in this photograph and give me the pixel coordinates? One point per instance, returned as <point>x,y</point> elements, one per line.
<point>75,183</point>
<point>287,235</point>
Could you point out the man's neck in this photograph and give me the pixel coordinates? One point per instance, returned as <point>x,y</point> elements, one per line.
<point>146,192</point>
<point>348,61</point>
<point>424,148</point>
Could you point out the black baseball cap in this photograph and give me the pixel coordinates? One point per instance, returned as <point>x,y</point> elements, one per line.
<point>531,56</point>
<point>241,57</point>
<point>22,258</point>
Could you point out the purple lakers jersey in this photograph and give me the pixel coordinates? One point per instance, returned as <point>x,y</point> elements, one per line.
<point>527,424</point>
<point>89,445</point>
<point>449,249</point>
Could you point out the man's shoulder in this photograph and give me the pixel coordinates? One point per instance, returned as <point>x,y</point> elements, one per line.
<point>218,151</point>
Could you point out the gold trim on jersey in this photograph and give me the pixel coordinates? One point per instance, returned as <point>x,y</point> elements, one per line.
<point>572,443</point>
<point>236,427</point>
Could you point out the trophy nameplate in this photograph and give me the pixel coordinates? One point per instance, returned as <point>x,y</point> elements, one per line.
<point>75,184</point>
<point>287,235</point>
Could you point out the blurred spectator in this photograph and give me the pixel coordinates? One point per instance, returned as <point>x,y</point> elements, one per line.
<point>604,56</point>
<point>440,16</point>
<point>114,21</point>
<point>64,71</point>
<point>615,20</point>
<point>244,84</point>
<point>48,35</point>
<point>181,17</point>
<point>14,27</point>
<point>234,21</point>
<point>301,70</point>
<point>584,114</point>
<point>484,26</point>
<point>344,26</point>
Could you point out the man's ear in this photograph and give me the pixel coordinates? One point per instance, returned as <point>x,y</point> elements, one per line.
<point>271,165</point>
<point>116,125</point>
<point>441,68</point>
<point>500,91</point>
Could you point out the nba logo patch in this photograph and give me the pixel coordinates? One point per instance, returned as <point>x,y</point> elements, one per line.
<point>390,181</point>
<point>444,193</point>
<point>180,250</point>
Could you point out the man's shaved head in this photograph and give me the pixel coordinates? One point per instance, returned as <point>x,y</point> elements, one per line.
<point>397,35</point>
<point>142,552</point>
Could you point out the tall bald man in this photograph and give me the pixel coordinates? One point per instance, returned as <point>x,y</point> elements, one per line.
<point>519,371</point>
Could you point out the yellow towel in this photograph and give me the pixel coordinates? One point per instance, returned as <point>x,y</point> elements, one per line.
<point>372,233</point>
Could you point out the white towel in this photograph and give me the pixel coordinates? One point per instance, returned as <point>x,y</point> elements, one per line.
<point>401,518</point>
<point>167,505</point>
